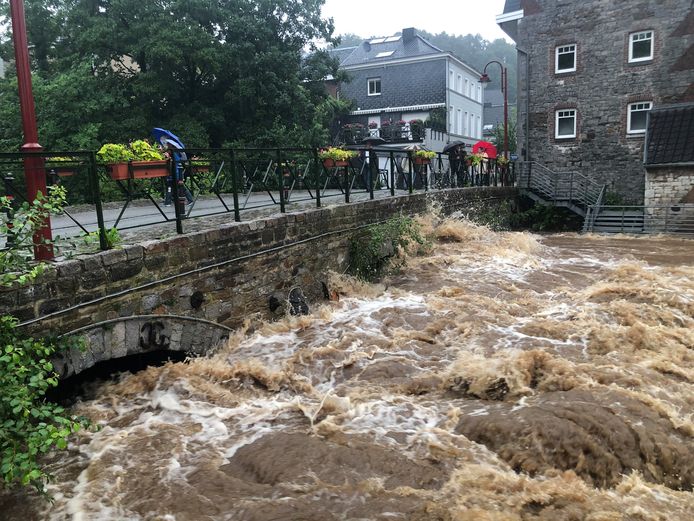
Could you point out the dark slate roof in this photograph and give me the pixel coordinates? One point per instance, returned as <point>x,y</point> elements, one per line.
<point>341,53</point>
<point>416,46</point>
<point>512,6</point>
<point>670,135</point>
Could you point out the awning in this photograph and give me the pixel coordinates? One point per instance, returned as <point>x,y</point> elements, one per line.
<point>409,108</point>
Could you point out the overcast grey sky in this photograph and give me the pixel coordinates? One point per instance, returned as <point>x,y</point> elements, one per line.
<point>385,17</point>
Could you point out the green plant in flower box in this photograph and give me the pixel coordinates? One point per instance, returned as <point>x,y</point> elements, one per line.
<point>336,154</point>
<point>424,154</point>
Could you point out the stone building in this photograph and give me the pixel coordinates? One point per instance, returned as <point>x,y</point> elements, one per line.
<point>669,161</point>
<point>589,73</point>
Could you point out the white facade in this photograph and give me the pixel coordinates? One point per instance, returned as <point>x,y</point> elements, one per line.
<point>464,99</point>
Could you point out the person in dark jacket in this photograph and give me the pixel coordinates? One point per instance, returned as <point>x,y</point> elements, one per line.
<point>172,150</point>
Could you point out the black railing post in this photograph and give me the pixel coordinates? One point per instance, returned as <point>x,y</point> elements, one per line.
<point>280,180</point>
<point>392,174</point>
<point>177,192</point>
<point>317,171</point>
<point>372,159</point>
<point>347,183</point>
<point>96,195</point>
<point>409,174</point>
<point>9,210</point>
<point>235,186</point>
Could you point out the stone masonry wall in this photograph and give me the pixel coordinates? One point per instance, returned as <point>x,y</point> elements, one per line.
<point>665,186</point>
<point>222,275</point>
<point>604,82</point>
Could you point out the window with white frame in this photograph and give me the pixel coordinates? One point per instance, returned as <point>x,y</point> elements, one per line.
<point>451,80</point>
<point>479,93</point>
<point>374,86</point>
<point>565,58</point>
<point>451,117</point>
<point>637,116</point>
<point>479,127</point>
<point>459,85</point>
<point>640,46</point>
<point>565,123</point>
<point>464,91</point>
<point>460,121</point>
<point>471,122</point>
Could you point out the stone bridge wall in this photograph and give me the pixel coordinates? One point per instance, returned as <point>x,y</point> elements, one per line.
<point>222,275</point>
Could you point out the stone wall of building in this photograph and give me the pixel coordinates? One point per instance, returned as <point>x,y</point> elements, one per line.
<point>667,186</point>
<point>603,84</point>
<point>223,275</point>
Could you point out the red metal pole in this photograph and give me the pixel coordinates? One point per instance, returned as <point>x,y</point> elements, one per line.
<point>504,79</point>
<point>34,166</point>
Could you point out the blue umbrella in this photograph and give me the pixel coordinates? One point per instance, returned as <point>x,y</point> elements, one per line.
<point>161,135</point>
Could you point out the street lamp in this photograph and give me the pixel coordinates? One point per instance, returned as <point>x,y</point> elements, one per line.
<point>504,89</point>
<point>34,165</point>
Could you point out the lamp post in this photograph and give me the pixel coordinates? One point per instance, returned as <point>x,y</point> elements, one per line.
<point>34,165</point>
<point>504,89</point>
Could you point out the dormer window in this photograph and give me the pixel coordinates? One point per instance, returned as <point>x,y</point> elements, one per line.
<point>565,59</point>
<point>640,46</point>
<point>374,86</point>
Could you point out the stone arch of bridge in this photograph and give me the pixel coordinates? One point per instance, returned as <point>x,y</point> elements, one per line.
<point>126,336</point>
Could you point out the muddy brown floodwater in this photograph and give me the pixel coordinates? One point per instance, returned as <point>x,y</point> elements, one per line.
<point>503,376</point>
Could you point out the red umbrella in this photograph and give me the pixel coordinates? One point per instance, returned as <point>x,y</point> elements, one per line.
<point>484,146</point>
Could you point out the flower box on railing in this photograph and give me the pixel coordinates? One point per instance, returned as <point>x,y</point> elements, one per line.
<point>422,161</point>
<point>138,170</point>
<point>333,163</point>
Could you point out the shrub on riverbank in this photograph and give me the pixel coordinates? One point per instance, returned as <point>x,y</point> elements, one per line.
<point>379,246</point>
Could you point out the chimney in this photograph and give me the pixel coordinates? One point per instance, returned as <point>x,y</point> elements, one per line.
<point>367,46</point>
<point>408,34</point>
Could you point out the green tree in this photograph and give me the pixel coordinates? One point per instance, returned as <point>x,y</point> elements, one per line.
<point>512,137</point>
<point>215,72</point>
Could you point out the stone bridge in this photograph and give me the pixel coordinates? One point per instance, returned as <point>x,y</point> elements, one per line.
<point>188,292</point>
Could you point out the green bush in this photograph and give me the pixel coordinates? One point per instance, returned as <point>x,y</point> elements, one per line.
<point>16,263</point>
<point>374,249</point>
<point>540,218</point>
<point>29,425</point>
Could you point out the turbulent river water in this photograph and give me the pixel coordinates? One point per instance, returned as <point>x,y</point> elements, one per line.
<point>502,376</point>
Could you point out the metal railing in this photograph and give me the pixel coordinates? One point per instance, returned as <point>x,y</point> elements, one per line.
<point>593,211</point>
<point>241,182</point>
<point>568,188</point>
<point>677,218</point>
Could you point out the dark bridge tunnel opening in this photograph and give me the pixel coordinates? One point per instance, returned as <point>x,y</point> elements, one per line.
<point>85,385</point>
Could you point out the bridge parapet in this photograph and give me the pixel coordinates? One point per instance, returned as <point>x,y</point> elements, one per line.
<point>221,276</point>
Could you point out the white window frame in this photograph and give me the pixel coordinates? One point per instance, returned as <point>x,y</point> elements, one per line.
<point>633,107</point>
<point>479,93</point>
<point>368,86</point>
<point>563,113</point>
<point>465,120</point>
<point>570,48</point>
<point>638,37</point>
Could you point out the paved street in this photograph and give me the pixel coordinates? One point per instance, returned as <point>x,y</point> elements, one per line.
<point>143,221</point>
